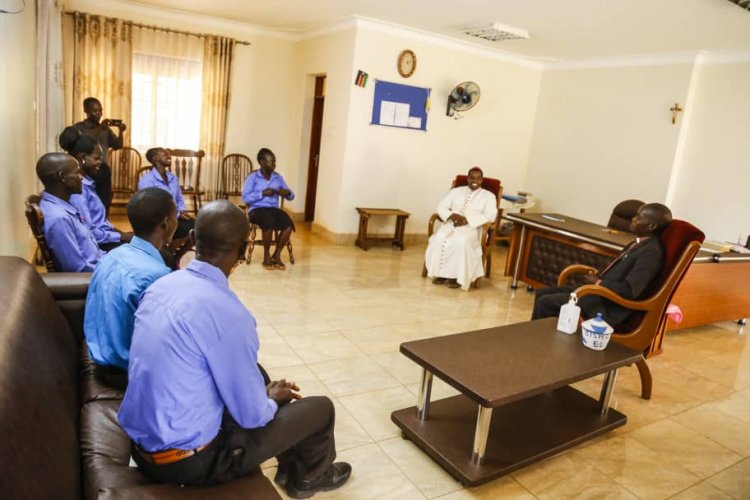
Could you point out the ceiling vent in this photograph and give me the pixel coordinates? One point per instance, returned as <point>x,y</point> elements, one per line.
<point>500,32</point>
<point>745,4</point>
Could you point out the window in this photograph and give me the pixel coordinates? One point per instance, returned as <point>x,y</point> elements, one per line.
<point>166,102</point>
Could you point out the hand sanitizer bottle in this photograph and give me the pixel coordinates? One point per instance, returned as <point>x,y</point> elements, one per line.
<point>569,314</point>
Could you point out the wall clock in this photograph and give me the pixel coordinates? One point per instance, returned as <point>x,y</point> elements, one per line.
<point>407,63</point>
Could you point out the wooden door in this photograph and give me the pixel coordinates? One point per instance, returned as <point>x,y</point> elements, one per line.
<point>313,162</point>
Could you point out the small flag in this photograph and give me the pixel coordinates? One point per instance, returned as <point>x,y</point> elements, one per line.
<point>361,79</point>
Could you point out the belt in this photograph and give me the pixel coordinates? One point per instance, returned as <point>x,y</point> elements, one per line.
<point>169,456</point>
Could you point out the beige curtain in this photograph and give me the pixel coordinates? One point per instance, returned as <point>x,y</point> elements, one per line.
<point>50,111</point>
<point>167,90</point>
<point>102,53</point>
<point>217,62</point>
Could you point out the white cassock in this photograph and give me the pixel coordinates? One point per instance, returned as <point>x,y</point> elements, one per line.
<point>456,252</point>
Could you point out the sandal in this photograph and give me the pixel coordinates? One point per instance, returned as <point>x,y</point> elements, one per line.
<point>269,265</point>
<point>280,266</point>
<point>439,281</point>
<point>454,284</point>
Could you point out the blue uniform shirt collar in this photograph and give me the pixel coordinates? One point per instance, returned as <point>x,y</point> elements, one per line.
<point>88,181</point>
<point>209,272</point>
<point>146,246</point>
<point>60,203</point>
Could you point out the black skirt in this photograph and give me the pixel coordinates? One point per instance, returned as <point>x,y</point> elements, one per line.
<point>271,218</point>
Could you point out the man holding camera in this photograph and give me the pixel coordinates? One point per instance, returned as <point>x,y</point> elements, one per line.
<point>100,129</point>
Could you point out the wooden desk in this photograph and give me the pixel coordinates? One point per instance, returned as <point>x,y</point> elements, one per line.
<point>363,241</point>
<point>516,377</point>
<point>715,288</point>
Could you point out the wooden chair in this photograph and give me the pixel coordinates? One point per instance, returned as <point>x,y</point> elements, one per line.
<point>186,165</point>
<point>234,170</point>
<point>644,329</point>
<point>487,237</point>
<point>125,163</point>
<point>253,239</point>
<point>138,174</point>
<point>36,222</point>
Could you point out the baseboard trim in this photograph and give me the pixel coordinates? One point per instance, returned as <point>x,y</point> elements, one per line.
<point>350,238</point>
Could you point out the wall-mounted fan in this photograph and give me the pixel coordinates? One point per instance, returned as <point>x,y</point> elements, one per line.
<point>463,96</point>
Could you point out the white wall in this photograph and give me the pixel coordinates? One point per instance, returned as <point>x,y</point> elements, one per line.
<point>412,170</point>
<point>603,135</point>
<point>711,185</point>
<point>330,55</point>
<point>17,128</point>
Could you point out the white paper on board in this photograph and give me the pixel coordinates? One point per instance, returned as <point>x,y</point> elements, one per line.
<point>387,113</point>
<point>401,118</point>
<point>415,122</point>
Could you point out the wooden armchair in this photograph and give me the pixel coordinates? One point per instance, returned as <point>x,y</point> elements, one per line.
<point>644,329</point>
<point>186,165</point>
<point>234,170</point>
<point>36,222</point>
<point>125,163</point>
<point>487,237</point>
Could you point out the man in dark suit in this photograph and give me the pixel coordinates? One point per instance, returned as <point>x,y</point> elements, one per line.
<point>631,274</point>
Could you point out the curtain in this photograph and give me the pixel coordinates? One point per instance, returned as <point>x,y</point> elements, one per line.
<point>102,51</point>
<point>167,81</point>
<point>217,62</point>
<point>50,110</point>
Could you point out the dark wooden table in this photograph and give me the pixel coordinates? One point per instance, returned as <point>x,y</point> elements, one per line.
<point>515,390</point>
<point>716,287</point>
<point>363,241</point>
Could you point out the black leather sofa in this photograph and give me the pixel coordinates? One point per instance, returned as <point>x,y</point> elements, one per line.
<point>59,433</point>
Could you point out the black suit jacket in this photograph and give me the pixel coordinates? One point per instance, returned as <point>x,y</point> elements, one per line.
<point>632,276</point>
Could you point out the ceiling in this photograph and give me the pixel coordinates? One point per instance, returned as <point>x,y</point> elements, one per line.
<point>560,30</point>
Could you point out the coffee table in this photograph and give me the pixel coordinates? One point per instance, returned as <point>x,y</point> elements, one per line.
<point>363,241</point>
<point>514,390</point>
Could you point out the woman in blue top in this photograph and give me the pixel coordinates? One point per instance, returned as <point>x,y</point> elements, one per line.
<point>87,151</point>
<point>261,194</point>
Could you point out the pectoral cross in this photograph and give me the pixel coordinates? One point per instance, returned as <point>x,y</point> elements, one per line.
<point>675,109</point>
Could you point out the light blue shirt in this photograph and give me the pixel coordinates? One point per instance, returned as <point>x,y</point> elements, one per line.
<point>255,184</point>
<point>152,178</point>
<point>194,352</point>
<point>116,286</point>
<point>74,248</point>
<point>92,210</point>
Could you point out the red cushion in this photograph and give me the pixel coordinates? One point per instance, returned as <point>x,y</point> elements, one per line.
<point>675,239</point>
<point>491,185</point>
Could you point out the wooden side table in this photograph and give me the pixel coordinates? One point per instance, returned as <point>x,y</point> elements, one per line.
<point>364,242</point>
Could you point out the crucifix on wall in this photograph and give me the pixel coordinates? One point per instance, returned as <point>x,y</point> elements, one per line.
<point>675,109</point>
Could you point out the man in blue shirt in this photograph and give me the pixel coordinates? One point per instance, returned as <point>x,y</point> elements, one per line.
<point>120,279</point>
<point>73,247</point>
<point>196,406</point>
<point>261,194</point>
<point>160,177</point>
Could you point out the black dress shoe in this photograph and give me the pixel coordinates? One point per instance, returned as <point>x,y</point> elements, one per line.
<point>334,477</point>
<point>282,475</point>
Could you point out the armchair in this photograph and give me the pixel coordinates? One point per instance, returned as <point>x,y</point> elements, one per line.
<point>489,229</point>
<point>186,165</point>
<point>644,329</point>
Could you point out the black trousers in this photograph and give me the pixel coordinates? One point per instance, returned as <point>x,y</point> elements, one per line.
<point>548,301</point>
<point>300,436</point>
<point>103,182</point>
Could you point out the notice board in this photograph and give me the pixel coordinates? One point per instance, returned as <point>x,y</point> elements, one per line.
<point>397,105</point>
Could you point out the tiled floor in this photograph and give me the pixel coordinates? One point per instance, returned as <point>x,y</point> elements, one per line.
<point>333,323</point>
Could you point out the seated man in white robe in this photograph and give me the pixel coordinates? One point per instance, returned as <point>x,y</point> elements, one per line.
<point>454,253</point>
